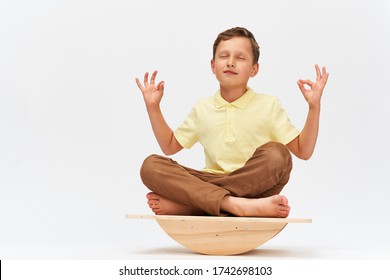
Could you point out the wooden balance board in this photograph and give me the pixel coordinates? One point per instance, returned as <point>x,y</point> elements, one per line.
<point>220,235</point>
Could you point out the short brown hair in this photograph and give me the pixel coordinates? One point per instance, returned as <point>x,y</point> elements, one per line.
<point>238,32</point>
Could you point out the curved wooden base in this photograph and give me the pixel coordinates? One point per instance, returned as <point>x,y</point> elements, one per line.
<point>220,235</point>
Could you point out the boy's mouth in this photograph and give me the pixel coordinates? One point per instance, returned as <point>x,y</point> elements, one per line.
<point>229,72</point>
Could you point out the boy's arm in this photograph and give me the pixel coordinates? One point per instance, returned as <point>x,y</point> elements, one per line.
<point>152,96</point>
<point>303,145</point>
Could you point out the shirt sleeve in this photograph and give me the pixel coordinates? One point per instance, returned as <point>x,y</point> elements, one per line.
<point>283,130</point>
<point>186,133</point>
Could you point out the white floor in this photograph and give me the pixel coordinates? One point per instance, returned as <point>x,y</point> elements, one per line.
<point>295,242</point>
<point>176,252</point>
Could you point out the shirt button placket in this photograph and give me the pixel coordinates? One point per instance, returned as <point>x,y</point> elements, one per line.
<point>229,134</point>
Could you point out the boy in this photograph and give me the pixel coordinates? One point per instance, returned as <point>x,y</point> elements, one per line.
<point>247,139</point>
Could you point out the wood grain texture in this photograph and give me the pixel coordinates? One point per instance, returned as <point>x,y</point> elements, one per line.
<point>220,235</point>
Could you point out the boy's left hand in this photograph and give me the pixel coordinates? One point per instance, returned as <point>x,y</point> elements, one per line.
<point>313,95</point>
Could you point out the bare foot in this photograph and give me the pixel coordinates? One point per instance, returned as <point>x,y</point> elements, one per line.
<point>164,206</point>
<point>273,206</point>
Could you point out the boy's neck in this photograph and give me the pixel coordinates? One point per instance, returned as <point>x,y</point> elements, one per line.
<point>232,94</point>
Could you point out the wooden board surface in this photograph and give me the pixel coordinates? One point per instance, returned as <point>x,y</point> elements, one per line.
<point>215,218</point>
<point>220,235</point>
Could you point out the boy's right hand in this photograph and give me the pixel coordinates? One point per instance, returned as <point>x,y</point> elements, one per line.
<point>152,93</point>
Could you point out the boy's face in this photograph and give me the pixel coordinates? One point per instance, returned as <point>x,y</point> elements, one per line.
<point>233,63</point>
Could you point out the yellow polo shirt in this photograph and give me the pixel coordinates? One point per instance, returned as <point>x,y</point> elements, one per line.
<point>231,132</point>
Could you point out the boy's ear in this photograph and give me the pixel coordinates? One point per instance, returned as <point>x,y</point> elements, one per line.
<point>212,63</point>
<point>255,69</point>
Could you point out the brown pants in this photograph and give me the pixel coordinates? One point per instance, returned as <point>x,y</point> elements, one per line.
<point>263,175</point>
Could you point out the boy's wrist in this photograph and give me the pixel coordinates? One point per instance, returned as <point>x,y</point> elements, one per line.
<point>315,108</point>
<point>151,107</point>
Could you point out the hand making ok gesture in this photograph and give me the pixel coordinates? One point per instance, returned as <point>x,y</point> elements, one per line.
<point>313,95</point>
<point>152,93</point>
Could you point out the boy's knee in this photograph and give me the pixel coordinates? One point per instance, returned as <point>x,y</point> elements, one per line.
<point>279,155</point>
<point>147,167</point>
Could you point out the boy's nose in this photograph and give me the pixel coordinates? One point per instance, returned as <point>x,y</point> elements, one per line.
<point>230,63</point>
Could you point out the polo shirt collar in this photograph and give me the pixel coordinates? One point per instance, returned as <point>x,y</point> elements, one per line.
<point>240,103</point>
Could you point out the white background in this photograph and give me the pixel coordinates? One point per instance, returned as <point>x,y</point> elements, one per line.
<point>74,130</point>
